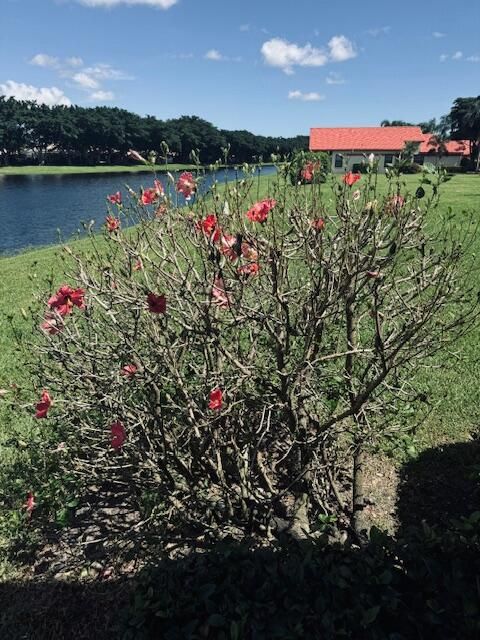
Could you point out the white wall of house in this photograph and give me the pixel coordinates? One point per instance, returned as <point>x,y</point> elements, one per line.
<point>351,158</point>
<point>452,160</point>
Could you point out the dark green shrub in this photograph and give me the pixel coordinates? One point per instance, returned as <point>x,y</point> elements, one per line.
<point>414,167</point>
<point>307,167</point>
<point>425,586</point>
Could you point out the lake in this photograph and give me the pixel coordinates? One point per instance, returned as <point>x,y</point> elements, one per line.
<point>42,210</point>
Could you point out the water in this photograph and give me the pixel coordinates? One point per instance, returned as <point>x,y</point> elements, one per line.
<point>41,210</point>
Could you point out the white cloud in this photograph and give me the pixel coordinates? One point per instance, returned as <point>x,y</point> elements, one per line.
<point>106,72</point>
<point>43,95</point>
<point>102,96</point>
<point>74,61</point>
<point>473,59</point>
<point>458,55</point>
<point>379,31</point>
<point>215,55</point>
<point>341,49</point>
<point>285,55</point>
<point>312,96</point>
<point>334,78</point>
<point>443,57</point>
<point>44,60</point>
<point>244,27</point>
<point>438,34</point>
<point>160,4</point>
<point>85,80</point>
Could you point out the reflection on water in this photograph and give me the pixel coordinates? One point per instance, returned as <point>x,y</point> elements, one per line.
<point>41,210</point>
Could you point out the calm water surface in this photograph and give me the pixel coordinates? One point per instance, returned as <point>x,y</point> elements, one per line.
<point>42,210</point>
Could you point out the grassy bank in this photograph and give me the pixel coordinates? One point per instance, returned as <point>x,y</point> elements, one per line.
<point>67,170</point>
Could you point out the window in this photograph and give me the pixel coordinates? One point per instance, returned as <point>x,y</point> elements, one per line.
<point>338,161</point>
<point>388,158</point>
<point>419,159</point>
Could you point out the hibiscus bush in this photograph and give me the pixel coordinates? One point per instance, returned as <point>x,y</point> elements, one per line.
<point>230,358</point>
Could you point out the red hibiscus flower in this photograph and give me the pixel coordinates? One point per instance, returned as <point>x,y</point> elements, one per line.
<point>149,196</point>
<point>156,304</point>
<point>219,294</point>
<point>351,178</point>
<point>42,407</point>
<point>115,198</point>
<point>138,266</point>
<point>30,504</point>
<point>112,223</point>
<point>117,435</point>
<point>260,210</point>
<point>65,299</point>
<point>186,185</point>
<point>318,224</point>
<point>129,371</point>
<point>309,170</point>
<point>52,324</point>
<point>216,399</point>
<point>210,228</point>
<point>248,269</point>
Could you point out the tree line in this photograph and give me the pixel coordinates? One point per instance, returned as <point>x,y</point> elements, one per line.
<point>462,123</point>
<point>32,133</point>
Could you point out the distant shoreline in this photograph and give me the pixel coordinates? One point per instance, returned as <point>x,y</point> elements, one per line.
<point>46,170</point>
<point>35,170</point>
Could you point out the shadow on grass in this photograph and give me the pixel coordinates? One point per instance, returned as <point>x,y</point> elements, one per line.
<point>425,584</point>
<point>441,484</point>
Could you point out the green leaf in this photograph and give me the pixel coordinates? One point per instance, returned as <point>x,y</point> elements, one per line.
<point>370,615</point>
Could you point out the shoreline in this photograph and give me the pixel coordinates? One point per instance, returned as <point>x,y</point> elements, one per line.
<point>53,170</point>
<point>58,170</point>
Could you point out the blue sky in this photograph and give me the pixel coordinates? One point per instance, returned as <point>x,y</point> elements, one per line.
<point>273,66</point>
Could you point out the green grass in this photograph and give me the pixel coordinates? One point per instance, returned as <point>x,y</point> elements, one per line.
<point>452,385</point>
<point>65,170</point>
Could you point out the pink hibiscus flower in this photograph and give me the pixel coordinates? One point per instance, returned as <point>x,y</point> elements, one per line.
<point>186,185</point>
<point>219,294</point>
<point>117,435</point>
<point>113,224</point>
<point>115,198</point>
<point>215,399</point>
<point>259,212</point>
<point>42,407</point>
<point>65,299</point>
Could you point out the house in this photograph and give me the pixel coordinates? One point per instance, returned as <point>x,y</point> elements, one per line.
<point>350,146</point>
<point>448,154</point>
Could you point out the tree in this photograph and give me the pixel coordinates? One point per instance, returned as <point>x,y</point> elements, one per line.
<point>465,124</point>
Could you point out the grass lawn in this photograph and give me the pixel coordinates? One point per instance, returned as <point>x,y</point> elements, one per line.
<point>52,170</point>
<point>452,384</point>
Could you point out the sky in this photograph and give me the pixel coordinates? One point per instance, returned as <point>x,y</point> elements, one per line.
<point>274,67</point>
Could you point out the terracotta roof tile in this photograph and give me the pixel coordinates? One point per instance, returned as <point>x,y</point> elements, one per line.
<point>457,147</point>
<point>363,138</point>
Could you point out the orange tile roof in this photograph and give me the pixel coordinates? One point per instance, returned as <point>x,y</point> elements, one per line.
<point>457,147</point>
<point>363,138</point>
